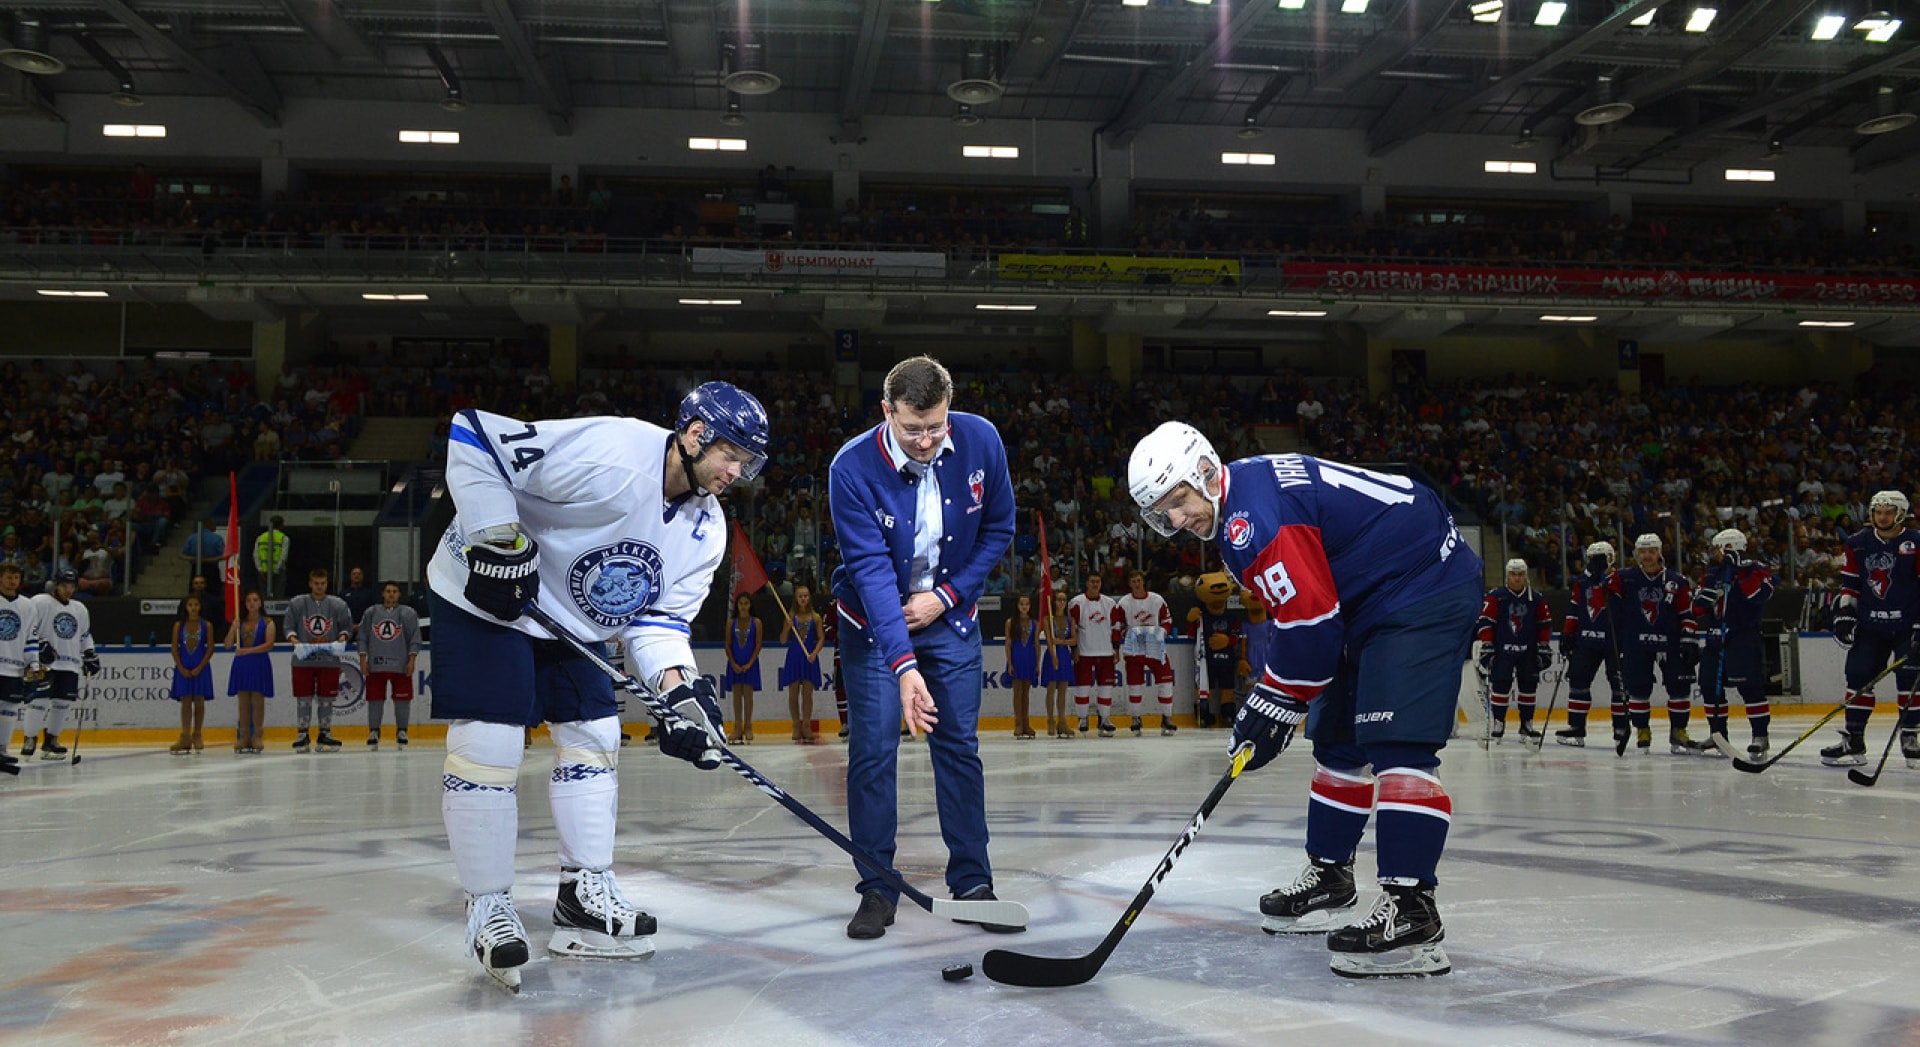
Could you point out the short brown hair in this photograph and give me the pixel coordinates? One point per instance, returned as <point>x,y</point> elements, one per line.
<point>318,572</point>
<point>919,383</point>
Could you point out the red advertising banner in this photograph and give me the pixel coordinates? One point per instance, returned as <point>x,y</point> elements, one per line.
<point>1388,278</point>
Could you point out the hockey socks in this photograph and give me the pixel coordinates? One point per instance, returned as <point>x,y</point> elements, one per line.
<point>585,790</point>
<point>1414,815</point>
<point>479,805</point>
<point>1339,803</point>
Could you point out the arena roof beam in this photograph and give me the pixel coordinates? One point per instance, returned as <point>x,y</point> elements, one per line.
<point>1047,36</point>
<point>550,86</point>
<point>1818,90</point>
<point>857,88</point>
<point>259,99</point>
<point>1405,130</point>
<point>1407,28</point>
<point>1765,21</point>
<point>1141,105</point>
<point>324,21</point>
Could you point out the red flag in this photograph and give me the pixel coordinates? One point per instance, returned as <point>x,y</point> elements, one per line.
<point>748,575</point>
<point>230,565</point>
<point>1045,611</point>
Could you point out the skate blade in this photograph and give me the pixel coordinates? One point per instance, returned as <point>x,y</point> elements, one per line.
<point>1418,961</point>
<point>1576,743</point>
<point>1320,921</point>
<point>581,944</point>
<point>508,977</point>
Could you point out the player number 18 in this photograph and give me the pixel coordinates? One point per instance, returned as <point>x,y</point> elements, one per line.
<point>1275,586</point>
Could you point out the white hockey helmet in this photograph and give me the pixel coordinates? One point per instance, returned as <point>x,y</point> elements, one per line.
<point>1516,566</point>
<point>1648,541</point>
<point>1163,460</point>
<point>1600,549</point>
<point>1893,498</point>
<point>1731,538</point>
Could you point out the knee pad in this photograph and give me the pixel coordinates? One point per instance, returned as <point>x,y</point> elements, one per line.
<point>486,754</point>
<point>1403,756</point>
<point>588,743</point>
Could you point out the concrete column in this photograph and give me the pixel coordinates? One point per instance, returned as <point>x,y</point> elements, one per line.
<point>1088,351</point>
<point>563,356</point>
<point>269,353</point>
<point>1111,210</point>
<point>1123,358</point>
<point>846,182</point>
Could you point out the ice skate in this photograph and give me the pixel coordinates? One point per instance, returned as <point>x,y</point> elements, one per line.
<point>496,937</point>
<point>400,738</point>
<point>1166,726</point>
<point>1910,746</point>
<point>373,741</point>
<point>592,920</point>
<point>1849,751</point>
<point>1497,731</point>
<point>1679,743</point>
<point>26,746</point>
<point>51,749</point>
<point>1643,739</point>
<point>1136,727</point>
<point>1757,749</point>
<point>1400,938</point>
<point>1106,728</point>
<point>1531,736</point>
<point>326,743</point>
<point>1621,735</point>
<point>1569,736</point>
<point>1083,725</point>
<point>300,742</point>
<point>1320,899</point>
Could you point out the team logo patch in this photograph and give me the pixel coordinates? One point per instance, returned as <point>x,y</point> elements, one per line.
<point>1239,530</point>
<point>66,626</point>
<point>1880,573</point>
<point>1650,601</point>
<point>387,629</point>
<point>613,583</point>
<point>977,485</point>
<point>9,626</point>
<point>1906,548</point>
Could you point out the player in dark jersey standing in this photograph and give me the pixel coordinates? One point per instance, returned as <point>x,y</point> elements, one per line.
<point>1727,608</point>
<point>1515,632</point>
<point>1656,628</point>
<point>1587,643</point>
<point>1879,595</point>
<point>1373,597</point>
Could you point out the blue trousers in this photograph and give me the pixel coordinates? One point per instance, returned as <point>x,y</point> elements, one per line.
<point>950,663</point>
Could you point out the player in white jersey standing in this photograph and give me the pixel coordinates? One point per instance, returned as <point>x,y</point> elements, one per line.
<point>65,631</point>
<point>16,652</point>
<point>614,525</point>
<point>1097,625</point>
<point>1144,649</point>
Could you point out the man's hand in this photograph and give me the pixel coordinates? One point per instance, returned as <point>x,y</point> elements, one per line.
<point>1266,721</point>
<point>502,580</point>
<point>922,610</point>
<point>916,703</point>
<point>692,733</point>
<point>90,663</point>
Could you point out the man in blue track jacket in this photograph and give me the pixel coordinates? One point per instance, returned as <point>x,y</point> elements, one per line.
<point>923,508</point>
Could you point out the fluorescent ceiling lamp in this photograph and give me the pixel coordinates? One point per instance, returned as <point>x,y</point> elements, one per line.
<point>430,137</point>
<point>1701,19</point>
<point>1512,167</point>
<point>1740,174</point>
<point>1248,159</point>
<point>724,145</point>
<point>1878,27</point>
<point>1550,13</point>
<point>709,301</point>
<point>1487,10</point>
<point>1292,5</point>
<point>1556,318</point>
<point>996,307</point>
<point>55,293</point>
<point>991,152</point>
<point>1645,18</point>
<point>373,296</point>
<point>1133,3</point>
<point>1829,26</point>
<point>1353,7</point>
<point>134,130</point>
<point>1826,323</point>
<point>1201,2</point>
<point>1307,313</point>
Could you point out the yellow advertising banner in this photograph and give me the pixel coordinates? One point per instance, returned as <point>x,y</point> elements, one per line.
<point>1119,269</point>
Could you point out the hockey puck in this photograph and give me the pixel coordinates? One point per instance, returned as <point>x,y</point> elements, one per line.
<point>958,972</point>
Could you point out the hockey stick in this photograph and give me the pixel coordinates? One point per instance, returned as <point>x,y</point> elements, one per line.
<point>1546,722</point>
<point>1755,768</point>
<point>1047,972</point>
<point>998,912</point>
<point>80,728</point>
<point>1856,777</point>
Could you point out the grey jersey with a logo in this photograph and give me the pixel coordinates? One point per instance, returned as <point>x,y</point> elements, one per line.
<point>318,621</point>
<point>388,637</point>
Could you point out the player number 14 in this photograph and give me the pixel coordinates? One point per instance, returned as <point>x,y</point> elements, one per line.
<point>526,455</point>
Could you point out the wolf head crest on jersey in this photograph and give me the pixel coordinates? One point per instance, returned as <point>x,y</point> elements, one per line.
<point>9,626</point>
<point>1879,573</point>
<point>613,583</point>
<point>1651,597</point>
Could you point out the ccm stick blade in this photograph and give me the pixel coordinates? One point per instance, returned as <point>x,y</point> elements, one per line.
<point>1751,767</point>
<point>1047,972</point>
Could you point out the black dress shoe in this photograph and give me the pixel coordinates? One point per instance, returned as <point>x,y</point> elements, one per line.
<point>873,918</point>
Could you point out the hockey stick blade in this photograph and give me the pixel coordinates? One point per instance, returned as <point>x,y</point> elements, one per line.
<point>1861,778</point>
<point>1755,768</point>
<point>1049,972</point>
<point>1726,748</point>
<point>1011,914</point>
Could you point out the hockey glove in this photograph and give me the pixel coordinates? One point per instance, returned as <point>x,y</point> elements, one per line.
<point>1543,659</point>
<point>1266,721</point>
<point>47,654</point>
<point>90,663</point>
<point>1486,660</point>
<point>1708,598</point>
<point>692,732</point>
<point>1845,628</point>
<point>1566,646</point>
<point>502,580</point>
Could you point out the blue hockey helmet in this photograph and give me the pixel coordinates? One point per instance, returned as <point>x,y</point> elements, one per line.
<point>731,414</point>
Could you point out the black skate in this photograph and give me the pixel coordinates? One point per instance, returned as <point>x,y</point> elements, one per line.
<point>26,745</point>
<point>496,937</point>
<point>1203,718</point>
<point>1497,731</point>
<point>1400,938</point>
<point>1106,728</point>
<point>1319,899</point>
<point>400,738</point>
<point>593,920</point>
<point>1083,725</point>
<point>1531,736</point>
<point>373,741</point>
<point>1569,736</point>
<point>1757,749</point>
<point>1849,751</point>
<point>1910,746</point>
<point>50,747</point>
<point>1621,735</point>
<point>301,743</point>
<point>1136,726</point>
<point>1166,725</point>
<point>325,743</point>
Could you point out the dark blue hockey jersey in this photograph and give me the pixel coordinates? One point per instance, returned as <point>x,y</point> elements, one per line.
<point>1331,550</point>
<point>1879,577</point>
<point>1656,610</point>
<point>1743,590</point>
<point>1515,623</point>
<point>1589,619</point>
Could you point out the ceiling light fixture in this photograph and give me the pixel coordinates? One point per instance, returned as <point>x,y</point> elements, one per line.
<point>1297,314</point>
<point>1557,318</point>
<point>1701,19</point>
<point>1645,18</point>
<point>1487,10</point>
<point>1550,13</point>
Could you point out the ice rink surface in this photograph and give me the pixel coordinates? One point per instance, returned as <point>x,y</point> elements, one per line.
<point>283,899</point>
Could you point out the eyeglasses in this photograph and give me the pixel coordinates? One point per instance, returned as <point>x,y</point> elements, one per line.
<point>916,433</point>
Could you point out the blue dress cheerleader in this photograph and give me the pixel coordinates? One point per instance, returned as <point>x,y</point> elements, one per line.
<point>252,672</point>
<point>195,651</point>
<point>1060,668</point>
<point>740,645</point>
<point>805,637</point>
<point>1022,660</point>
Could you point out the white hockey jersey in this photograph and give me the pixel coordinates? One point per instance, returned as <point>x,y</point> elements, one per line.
<point>67,626</point>
<point>1095,622</point>
<point>616,560</point>
<point>18,618</point>
<point>1148,621</point>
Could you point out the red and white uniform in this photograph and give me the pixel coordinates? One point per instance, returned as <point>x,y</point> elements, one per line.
<point>1144,648</point>
<point>1099,626</point>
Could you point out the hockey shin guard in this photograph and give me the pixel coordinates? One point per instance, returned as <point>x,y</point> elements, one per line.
<point>585,790</point>
<point>1339,803</point>
<point>479,804</point>
<point>1415,813</point>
